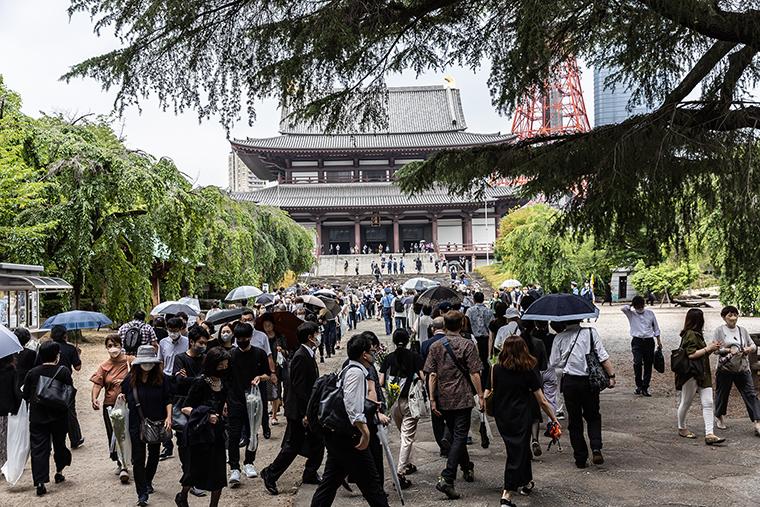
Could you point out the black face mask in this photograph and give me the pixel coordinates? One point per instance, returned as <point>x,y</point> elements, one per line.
<point>243,344</point>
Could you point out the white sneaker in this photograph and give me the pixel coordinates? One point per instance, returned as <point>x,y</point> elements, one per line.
<point>234,479</point>
<point>250,471</point>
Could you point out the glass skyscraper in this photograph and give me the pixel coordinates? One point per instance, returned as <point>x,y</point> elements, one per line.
<point>610,103</point>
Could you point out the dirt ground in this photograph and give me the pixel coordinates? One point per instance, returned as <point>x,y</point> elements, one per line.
<point>647,463</point>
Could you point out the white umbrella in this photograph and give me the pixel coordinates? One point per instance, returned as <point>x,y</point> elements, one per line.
<point>510,284</point>
<point>420,284</point>
<point>243,292</point>
<point>9,344</point>
<point>173,307</point>
<point>191,302</point>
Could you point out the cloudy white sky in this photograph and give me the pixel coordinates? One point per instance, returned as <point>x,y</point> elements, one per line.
<point>38,43</point>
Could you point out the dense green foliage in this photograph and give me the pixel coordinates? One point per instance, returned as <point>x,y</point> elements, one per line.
<point>668,277</point>
<point>660,174</point>
<point>110,220</point>
<point>531,251</point>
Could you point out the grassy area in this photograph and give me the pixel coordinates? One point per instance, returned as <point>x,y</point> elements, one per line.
<point>493,274</point>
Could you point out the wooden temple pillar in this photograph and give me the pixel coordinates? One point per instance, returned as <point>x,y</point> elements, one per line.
<point>357,234</point>
<point>467,229</point>
<point>434,229</point>
<point>396,235</point>
<point>318,229</point>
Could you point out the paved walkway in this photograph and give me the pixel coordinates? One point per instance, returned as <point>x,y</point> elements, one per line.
<point>647,463</point>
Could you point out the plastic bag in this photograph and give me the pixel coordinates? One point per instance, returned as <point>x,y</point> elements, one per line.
<point>255,410</point>
<point>18,444</point>
<point>121,441</point>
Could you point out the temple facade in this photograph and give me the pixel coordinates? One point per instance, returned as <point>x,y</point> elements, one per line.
<point>341,185</point>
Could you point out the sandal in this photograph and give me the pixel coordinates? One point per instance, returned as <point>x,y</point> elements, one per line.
<point>526,490</point>
<point>713,439</point>
<point>506,502</point>
<point>686,434</point>
<point>409,469</point>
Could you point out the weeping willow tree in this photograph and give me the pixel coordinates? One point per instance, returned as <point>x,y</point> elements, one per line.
<point>654,176</point>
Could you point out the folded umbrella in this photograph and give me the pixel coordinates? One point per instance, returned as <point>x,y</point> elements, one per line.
<point>9,343</point>
<point>243,292</point>
<point>254,407</point>
<point>78,319</point>
<point>561,308</point>
<point>285,324</point>
<point>224,316</point>
<point>438,295</point>
<point>382,435</point>
<point>419,284</point>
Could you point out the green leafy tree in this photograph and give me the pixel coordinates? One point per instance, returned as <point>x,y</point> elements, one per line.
<point>669,277</point>
<point>328,61</point>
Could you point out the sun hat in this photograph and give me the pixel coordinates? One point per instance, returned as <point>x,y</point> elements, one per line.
<point>511,313</point>
<point>145,354</point>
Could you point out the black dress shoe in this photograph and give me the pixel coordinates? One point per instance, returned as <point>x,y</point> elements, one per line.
<point>150,489</point>
<point>77,445</point>
<point>269,484</point>
<point>59,478</point>
<point>597,458</point>
<point>581,464</point>
<point>646,393</point>
<point>637,392</point>
<point>142,501</point>
<point>165,455</point>
<point>41,490</point>
<point>267,433</point>
<point>181,501</point>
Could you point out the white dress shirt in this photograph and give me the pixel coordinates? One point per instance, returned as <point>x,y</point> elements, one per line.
<point>644,324</point>
<point>355,391</point>
<point>511,328</point>
<point>576,361</point>
<point>167,350</point>
<point>261,340</point>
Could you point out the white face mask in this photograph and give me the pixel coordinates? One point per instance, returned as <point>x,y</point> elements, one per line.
<point>317,341</point>
<point>147,366</point>
<point>174,336</point>
<point>227,337</point>
<point>114,352</point>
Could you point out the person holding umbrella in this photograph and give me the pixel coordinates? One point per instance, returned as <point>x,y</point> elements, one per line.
<point>581,400</point>
<point>10,395</point>
<point>69,357</point>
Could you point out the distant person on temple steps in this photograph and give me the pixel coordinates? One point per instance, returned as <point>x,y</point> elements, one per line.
<point>356,266</point>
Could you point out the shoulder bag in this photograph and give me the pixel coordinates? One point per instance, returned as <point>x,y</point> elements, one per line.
<point>458,364</point>
<point>53,393</point>
<point>488,400</point>
<point>597,376</point>
<point>151,432</point>
<point>734,362</point>
<point>566,356</point>
<point>680,364</point>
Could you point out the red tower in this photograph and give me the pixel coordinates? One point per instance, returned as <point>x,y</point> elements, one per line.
<point>557,110</point>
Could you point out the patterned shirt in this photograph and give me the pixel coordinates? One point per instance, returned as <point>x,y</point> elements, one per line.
<point>147,333</point>
<point>480,316</point>
<point>453,388</point>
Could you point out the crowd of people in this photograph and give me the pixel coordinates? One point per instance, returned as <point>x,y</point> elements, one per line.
<point>208,391</point>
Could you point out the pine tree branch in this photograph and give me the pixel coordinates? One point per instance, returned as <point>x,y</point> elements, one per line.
<point>701,70</point>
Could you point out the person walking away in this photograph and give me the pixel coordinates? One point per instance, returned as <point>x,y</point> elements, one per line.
<point>147,387</point>
<point>516,388</point>
<point>699,378</point>
<point>347,454</point>
<point>108,378</point>
<point>26,358</point>
<point>454,370</point>
<point>69,357</point>
<point>10,400</point>
<point>423,323</point>
<point>733,368</point>
<point>581,400</point>
<point>47,423</point>
<point>644,332</point>
<point>136,332</point>
<point>607,294</point>
<point>249,366</point>
<point>549,381</point>
<point>303,374</point>
<point>168,348</point>
<point>399,310</point>
<point>356,267</point>
<point>204,433</point>
<point>387,304</point>
<point>511,328</point>
<point>480,316</point>
<point>188,366</point>
<point>403,367</point>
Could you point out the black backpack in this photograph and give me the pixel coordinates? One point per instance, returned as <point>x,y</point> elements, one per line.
<point>398,305</point>
<point>325,412</point>
<point>132,339</point>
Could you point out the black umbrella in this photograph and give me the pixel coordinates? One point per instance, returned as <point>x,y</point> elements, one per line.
<point>265,299</point>
<point>438,295</point>
<point>224,316</point>
<point>332,305</point>
<point>561,308</point>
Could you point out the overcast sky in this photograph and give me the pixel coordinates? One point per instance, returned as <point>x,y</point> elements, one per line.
<point>38,43</point>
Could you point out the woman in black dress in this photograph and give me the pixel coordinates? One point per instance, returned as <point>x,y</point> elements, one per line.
<point>207,467</point>
<point>515,387</point>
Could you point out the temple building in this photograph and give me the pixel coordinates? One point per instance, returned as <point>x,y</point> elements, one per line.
<point>341,185</point>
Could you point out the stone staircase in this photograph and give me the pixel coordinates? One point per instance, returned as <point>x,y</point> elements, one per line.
<point>329,265</point>
<point>351,279</point>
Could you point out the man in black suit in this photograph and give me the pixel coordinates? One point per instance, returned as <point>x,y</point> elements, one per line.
<point>303,373</point>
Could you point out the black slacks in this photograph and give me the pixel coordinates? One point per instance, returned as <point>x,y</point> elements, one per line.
<point>582,402</point>
<point>743,382</point>
<point>343,458</point>
<point>643,357</point>
<point>458,421</point>
<point>235,427</point>
<point>75,432</point>
<point>143,467</point>
<point>40,437</point>
<point>296,435</point>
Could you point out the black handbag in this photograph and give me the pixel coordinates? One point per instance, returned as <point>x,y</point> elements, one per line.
<point>151,432</point>
<point>53,393</point>
<point>179,419</point>
<point>659,361</point>
<point>597,376</point>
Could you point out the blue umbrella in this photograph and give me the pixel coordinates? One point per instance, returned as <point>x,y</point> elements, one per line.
<point>561,308</point>
<point>78,319</point>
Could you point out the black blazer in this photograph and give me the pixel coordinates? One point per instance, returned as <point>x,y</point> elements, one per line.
<point>303,373</point>
<point>10,395</point>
